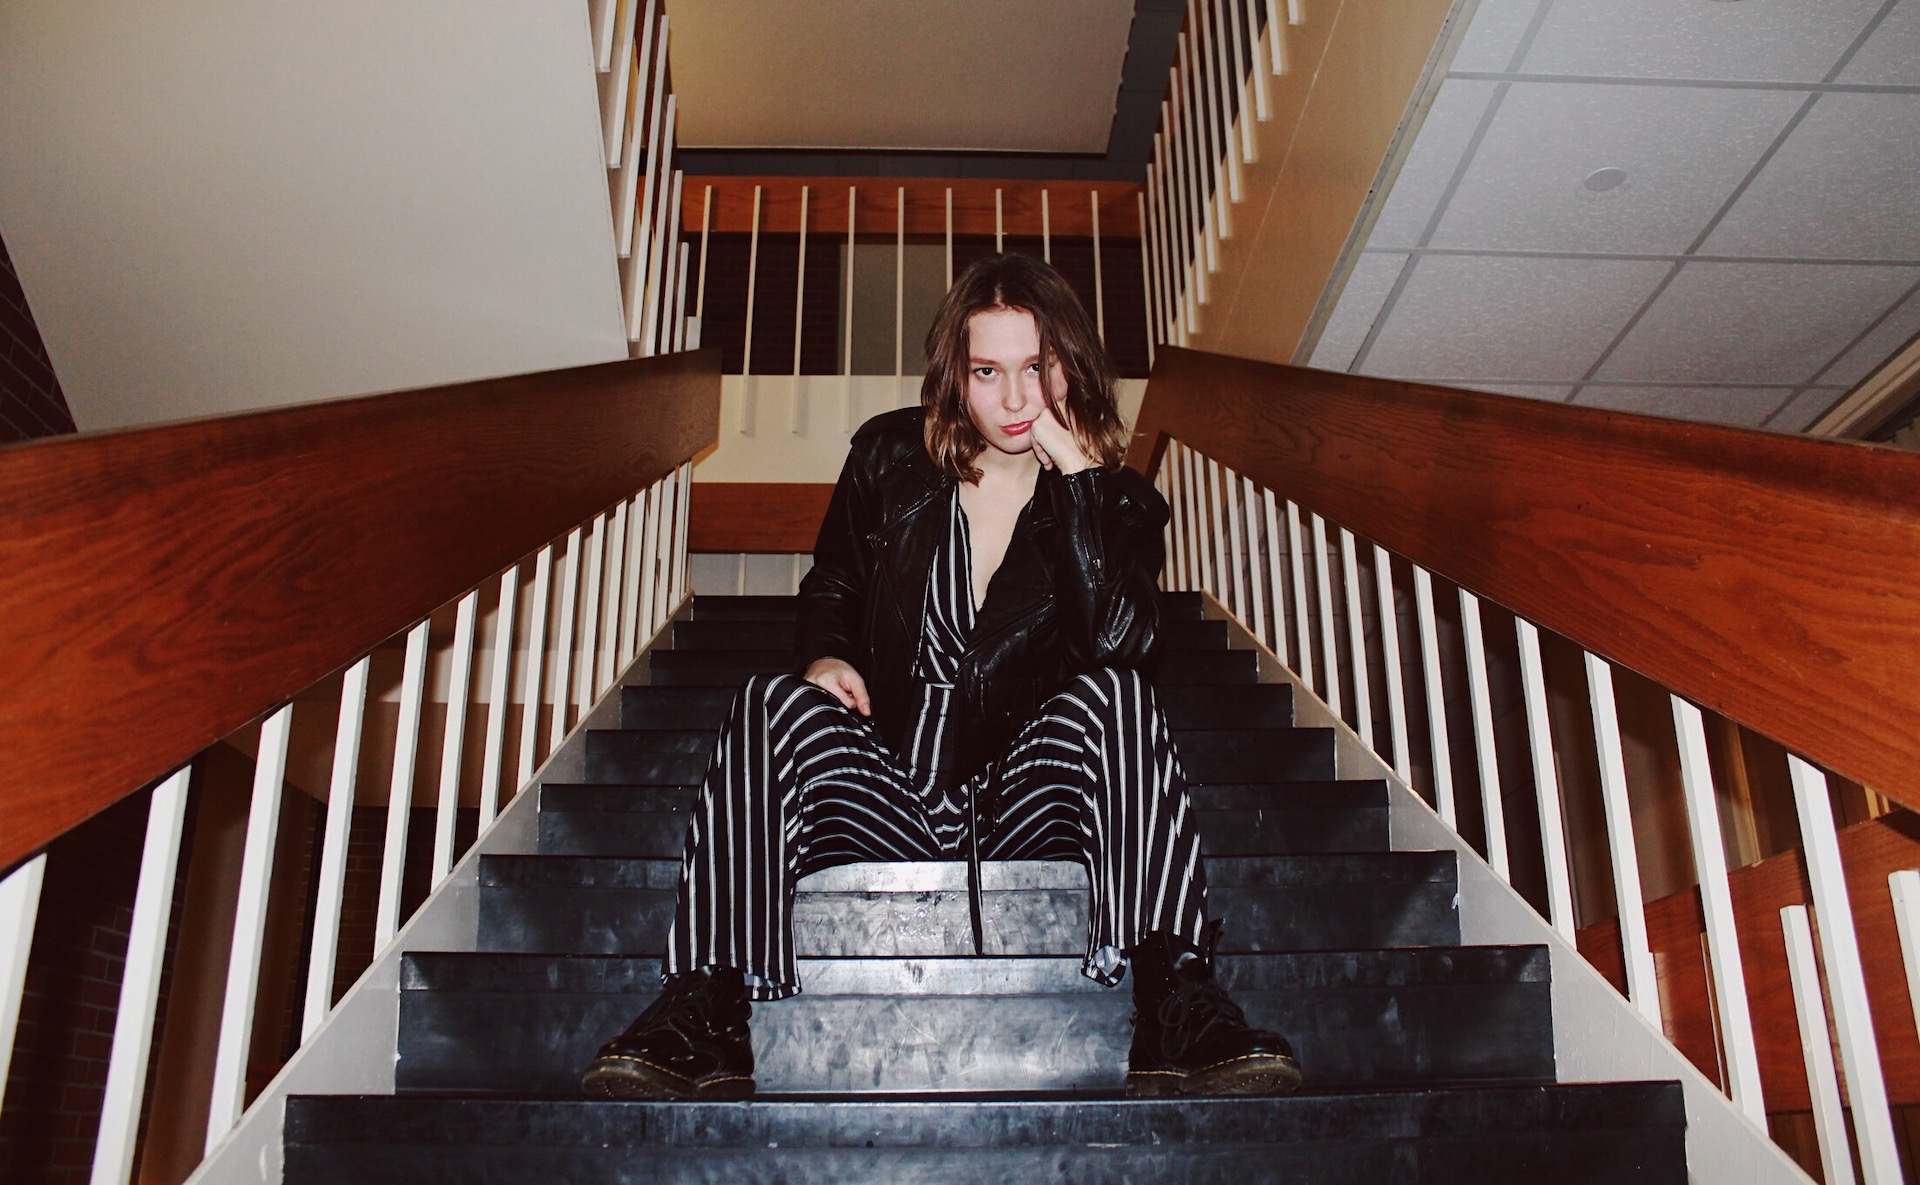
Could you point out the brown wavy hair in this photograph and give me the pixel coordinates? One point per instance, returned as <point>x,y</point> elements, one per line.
<point>1067,335</point>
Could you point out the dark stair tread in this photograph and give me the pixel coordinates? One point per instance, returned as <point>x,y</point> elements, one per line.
<point>1358,794</point>
<point>709,606</point>
<point>709,636</point>
<point>924,1119</point>
<point>709,668</point>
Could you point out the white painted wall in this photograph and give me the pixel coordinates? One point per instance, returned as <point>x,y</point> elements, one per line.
<point>220,204</point>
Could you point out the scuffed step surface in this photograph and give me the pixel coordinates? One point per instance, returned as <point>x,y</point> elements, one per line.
<point>597,905</point>
<point>1613,1132</point>
<point>712,635</point>
<point>713,668</point>
<point>1356,1018</point>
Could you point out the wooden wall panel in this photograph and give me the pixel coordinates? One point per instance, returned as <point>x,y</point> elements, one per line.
<point>162,586</point>
<point>1773,579</point>
<point>757,516</point>
<point>1068,206</point>
<point>1674,924</point>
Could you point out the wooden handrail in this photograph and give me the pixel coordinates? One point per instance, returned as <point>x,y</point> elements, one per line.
<point>1774,579</point>
<point>160,587</point>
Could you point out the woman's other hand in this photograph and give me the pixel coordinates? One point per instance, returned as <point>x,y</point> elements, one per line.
<point>1055,444</point>
<point>842,681</point>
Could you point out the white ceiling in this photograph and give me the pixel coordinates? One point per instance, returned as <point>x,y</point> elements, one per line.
<point>984,75</point>
<point>1761,256</point>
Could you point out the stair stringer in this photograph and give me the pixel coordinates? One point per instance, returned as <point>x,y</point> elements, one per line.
<point>355,1049</point>
<point>1598,1036</point>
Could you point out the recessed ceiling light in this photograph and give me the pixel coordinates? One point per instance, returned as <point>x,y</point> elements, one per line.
<point>1601,180</point>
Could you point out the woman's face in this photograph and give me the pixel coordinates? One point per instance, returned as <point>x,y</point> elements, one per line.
<point>1003,378</point>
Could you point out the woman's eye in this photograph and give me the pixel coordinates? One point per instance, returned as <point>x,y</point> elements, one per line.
<point>983,372</point>
<point>1033,368</point>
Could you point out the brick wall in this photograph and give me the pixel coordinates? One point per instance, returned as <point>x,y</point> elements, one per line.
<point>30,400</point>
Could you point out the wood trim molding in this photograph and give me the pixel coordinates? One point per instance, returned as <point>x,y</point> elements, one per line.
<point>776,517</point>
<point>160,587</point>
<point>1770,578</point>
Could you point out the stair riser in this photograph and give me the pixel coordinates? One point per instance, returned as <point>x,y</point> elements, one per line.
<point>727,669</point>
<point>1017,922</point>
<point>1286,755</point>
<point>1256,705</point>
<point>662,834</point>
<point>714,636</point>
<point>1174,606</point>
<point>1345,1037</point>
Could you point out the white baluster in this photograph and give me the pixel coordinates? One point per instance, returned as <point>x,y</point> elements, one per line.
<point>650,563</point>
<point>1099,284</point>
<point>249,929</point>
<point>796,421</point>
<point>406,741</point>
<point>19,906</point>
<point>1197,538</point>
<point>1357,640</point>
<point>1302,633</point>
<point>600,18</point>
<point>661,176</point>
<point>672,527</point>
<point>539,607</point>
<point>949,236</point>
<point>1270,528</point>
<point>1840,950</point>
<point>683,523</point>
<point>1255,569</point>
<point>140,984</point>
<point>999,225</point>
<point>1481,699</point>
<point>846,316</point>
<point>613,618</point>
<point>1642,988</point>
<point>746,358</point>
<point>589,632</point>
<point>626,178</point>
<point>1329,635</point>
<point>1904,887</point>
<point>1223,76</point>
<point>345,778</point>
<point>1046,225</point>
<point>1217,536</point>
<point>453,740</point>
<point>1149,281</point>
<point>1716,899</point>
<point>1234,549</point>
<point>1390,655</point>
<point>630,640</point>
<point>499,693</point>
<point>1437,738</point>
<point>613,26</point>
<point>1163,482</point>
<point>900,282</point>
<point>680,319</point>
<point>700,293</point>
<point>563,639</point>
<point>1262,98</point>
<point>1278,62</point>
<point>1816,1046</point>
<point>1546,779</point>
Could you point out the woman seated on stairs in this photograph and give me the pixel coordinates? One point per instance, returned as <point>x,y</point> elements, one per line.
<point>973,637</point>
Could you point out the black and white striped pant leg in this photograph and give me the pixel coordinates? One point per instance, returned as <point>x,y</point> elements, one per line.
<point>797,783</point>
<point>1095,778</point>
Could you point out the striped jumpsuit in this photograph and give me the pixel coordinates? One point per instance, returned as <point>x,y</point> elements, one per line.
<point>799,783</point>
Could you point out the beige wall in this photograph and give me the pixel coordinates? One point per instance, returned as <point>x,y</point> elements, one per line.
<point>1354,68</point>
<point>221,205</point>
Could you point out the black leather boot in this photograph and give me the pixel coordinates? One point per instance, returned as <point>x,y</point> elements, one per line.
<point>691,1043</point>
<point>1189,1037</point>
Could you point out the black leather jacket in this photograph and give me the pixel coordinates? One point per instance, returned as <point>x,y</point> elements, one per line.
<point>1077,590</point>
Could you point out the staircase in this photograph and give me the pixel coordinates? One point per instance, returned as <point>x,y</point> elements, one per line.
<point>906,1060</point>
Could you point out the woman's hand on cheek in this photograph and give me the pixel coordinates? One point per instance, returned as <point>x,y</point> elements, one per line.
<point>1056,446</point>
<point>840,679</point>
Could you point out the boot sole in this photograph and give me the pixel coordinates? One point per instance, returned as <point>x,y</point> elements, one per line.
<point>623,1078</point>
<point>1259,1074</point>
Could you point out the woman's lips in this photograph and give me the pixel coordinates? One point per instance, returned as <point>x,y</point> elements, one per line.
<point>1016,429</point>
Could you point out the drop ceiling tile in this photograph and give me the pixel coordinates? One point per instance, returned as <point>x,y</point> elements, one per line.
<point>1497,29</point>
<point>1880,344</point>
<point>1892,55</point>
<point>1469,318</point>
<point>1430,165</point>
<point>1841,186</point>
<point>1367,288</point>
<point>1683,150</point>
<point>1754,322</point>
<point>1743,407</point>
<point>1806,407</point>
<point>1766,40</point>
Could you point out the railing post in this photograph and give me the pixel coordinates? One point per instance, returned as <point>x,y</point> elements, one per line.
<point>1493,809</point>
<point>140,983</point>
<point>1436,695</point>
<point>1256,571</point>
<point>1356,639</point>
<point>453,737</point>
<point>1270,528</point>
<point>1816,1047</point>
<point>539,607</point>
<point>1390,652</point>
<point>1302,632</point>
<point>1546,779</point>
<point>563,640</point>
<point>1840,948</point>
<point>400,790</point>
